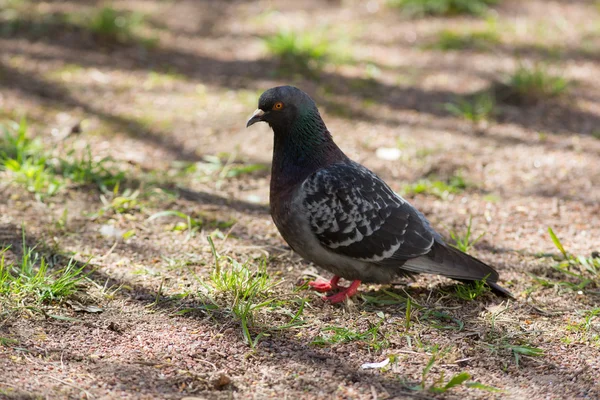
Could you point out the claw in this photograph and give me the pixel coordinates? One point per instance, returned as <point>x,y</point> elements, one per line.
<point>320,286</point>
<point>344,294</point>
<point>324,287</point>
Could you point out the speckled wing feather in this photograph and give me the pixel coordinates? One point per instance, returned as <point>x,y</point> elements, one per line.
<point>354,213</point>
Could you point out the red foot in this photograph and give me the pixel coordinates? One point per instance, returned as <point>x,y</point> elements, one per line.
<point>324,287</point>
<point>344,294</point>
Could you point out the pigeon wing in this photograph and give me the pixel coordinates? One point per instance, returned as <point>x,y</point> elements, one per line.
<point>352,212</point>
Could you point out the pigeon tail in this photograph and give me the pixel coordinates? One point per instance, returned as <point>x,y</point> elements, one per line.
<point>453,263</point>
<point>499,290</point>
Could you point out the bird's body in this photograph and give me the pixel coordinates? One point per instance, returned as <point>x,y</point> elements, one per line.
<point>340,215</point>
<point>326,218</point>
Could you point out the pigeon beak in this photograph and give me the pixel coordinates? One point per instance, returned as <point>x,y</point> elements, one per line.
<point>256,117</point>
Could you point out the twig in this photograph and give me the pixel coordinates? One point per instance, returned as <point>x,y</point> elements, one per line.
<point>413,352</point>
<point>462,360</point>
<point>109,251</point>
<point>206,362</point>
<point>88,394</point>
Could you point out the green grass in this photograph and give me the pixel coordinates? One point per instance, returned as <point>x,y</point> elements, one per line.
<point>420,8</point>
<point>505,343</point>
<point>119,203</point>
<point>85,170</point>
<point>441,320</point>
<point>518,351</point>
<point>465,242</point>
<point>478,108</point>
<point>585,330</point>
<point>473,40</point>
<point>441,189</point>
<point>577,273</point>
<point>114,24</point>
<point>218,169</point>
<point>333,334</point>
<point>301,52</point>
<point>498,341</point>
<point>192,224</point>
<point>470,291</point>
<point>408,314</point>
<point>243,290</point>
<point>31,281</point>
<point>7,342</point>
<point>385,298</point>
<point>13,3</point>
<point>534,84</point>
<point>24,158</point>
<point>104,23</point>
<point>162,79</point>
<point>189,224</point>
<point>32,165</point>
<point>23,17</point>
<point>586,324</point>
<point>439,384</point>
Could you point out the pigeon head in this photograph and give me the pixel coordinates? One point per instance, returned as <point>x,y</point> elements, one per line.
<point>302,144</point>
<point>282,106</point>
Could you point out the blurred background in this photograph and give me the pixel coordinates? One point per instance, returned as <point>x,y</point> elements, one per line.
<point>439,96</point>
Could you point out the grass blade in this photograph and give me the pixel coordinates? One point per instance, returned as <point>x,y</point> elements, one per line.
<point>557,243</point>
<point>457,379</point>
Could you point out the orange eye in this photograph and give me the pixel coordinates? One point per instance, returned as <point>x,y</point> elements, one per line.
<point>278,106</point>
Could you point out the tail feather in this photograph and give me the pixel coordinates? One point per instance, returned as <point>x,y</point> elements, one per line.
<point>453,263</point>
<point>499,290</point>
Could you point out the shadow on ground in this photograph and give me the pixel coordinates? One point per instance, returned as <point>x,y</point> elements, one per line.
<point>83,48</point>
<point>148,375</point>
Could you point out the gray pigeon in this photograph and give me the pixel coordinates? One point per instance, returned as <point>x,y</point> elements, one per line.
<point>341,216</point>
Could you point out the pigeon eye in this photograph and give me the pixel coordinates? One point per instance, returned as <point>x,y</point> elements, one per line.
<point>278,106</point>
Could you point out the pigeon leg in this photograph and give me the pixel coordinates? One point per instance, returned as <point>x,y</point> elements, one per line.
<point>324,287</point>
<point>344,294</point>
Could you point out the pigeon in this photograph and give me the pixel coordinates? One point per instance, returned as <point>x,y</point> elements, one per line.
<point>341,216</point>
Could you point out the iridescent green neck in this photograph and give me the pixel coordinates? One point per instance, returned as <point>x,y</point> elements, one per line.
<point>301,149</point>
